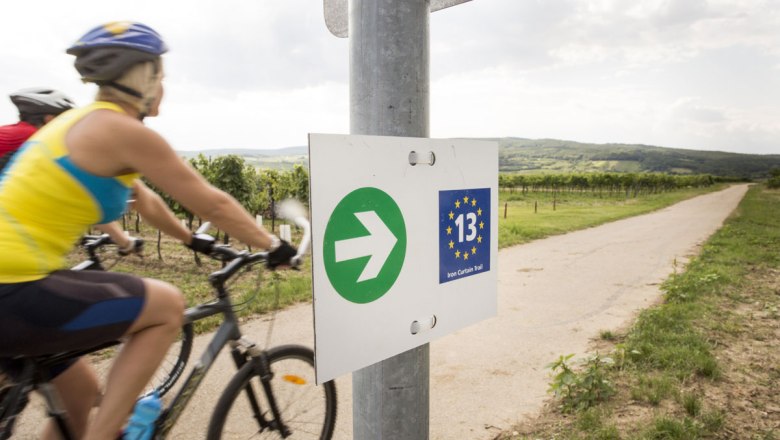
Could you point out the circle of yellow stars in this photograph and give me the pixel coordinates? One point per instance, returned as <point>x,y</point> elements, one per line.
<point>466,201</point>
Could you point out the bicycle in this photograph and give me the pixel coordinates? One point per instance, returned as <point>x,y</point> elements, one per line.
<point>282,407</point>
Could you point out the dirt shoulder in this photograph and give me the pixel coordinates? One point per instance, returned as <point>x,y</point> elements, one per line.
<point>743,403</point>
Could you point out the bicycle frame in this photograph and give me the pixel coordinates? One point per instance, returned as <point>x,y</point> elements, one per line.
<point>228,333</point>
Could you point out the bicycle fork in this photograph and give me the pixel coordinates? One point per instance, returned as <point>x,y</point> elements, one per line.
<point>262,369</point>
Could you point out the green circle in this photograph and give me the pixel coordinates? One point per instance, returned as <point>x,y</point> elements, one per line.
<point>345,225</point>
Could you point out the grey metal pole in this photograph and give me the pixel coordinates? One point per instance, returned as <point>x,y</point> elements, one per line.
<point>389,96</point>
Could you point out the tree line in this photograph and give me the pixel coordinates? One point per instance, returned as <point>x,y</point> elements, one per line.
<point>630,184</point>
<point>256,190</point>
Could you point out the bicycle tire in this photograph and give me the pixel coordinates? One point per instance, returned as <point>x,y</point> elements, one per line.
<point>172,366</point>
<point>304,406</point>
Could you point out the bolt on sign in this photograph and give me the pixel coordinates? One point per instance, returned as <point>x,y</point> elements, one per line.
<point>405,241</point>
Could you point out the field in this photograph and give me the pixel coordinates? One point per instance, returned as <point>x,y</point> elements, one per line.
<point>535,215</point>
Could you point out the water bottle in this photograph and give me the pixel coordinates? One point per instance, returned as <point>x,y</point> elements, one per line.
<point>145,413</point>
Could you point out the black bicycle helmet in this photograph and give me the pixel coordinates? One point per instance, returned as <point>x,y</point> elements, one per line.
<point>41,101</point>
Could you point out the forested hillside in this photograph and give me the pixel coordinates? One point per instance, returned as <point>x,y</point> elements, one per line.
<point>550,155</point>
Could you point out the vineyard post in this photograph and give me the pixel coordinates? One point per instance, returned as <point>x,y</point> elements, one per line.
<point>273,208</point>
<point>159,247</point>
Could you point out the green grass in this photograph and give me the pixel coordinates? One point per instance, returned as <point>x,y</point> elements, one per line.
<point>536,215</point>
<point>653,388</point>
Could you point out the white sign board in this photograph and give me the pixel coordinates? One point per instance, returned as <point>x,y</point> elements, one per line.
<point>401,254</point>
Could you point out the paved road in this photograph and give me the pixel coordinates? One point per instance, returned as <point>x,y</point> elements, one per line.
<point>555,295</point>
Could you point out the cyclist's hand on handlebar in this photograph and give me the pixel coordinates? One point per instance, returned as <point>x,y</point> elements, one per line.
<point>281,255</point>
<point>203,243</point>
<point>135,245</point>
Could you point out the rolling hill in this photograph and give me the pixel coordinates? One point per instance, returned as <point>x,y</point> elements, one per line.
<point>551,155</point>
<point>560,156</point>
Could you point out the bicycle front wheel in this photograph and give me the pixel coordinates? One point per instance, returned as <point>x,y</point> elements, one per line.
<point>307,411</point>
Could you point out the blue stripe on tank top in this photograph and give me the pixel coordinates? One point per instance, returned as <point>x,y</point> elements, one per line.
<point>113,311</point>
<point>109,193</point>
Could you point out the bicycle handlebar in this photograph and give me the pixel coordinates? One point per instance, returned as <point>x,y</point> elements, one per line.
<point>95,241</point>
<point>238,259</point>
<point>92,243</point>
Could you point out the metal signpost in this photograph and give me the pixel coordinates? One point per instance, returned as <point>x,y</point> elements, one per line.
<point>389,96</point>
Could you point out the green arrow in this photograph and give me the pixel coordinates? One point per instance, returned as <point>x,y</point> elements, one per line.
<point>377,244</point>
<point>364,245</point>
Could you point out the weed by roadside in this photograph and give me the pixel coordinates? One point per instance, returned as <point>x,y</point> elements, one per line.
<point>580,390</point>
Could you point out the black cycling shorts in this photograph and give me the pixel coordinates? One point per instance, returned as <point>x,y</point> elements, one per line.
<point>67,310</point>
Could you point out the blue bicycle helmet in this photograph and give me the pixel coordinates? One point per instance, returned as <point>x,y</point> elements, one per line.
<point>104,53</point>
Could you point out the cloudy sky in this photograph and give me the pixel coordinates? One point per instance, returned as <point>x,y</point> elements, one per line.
<point>695,74</point>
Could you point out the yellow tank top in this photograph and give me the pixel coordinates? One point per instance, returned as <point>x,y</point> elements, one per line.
<point>47,202</point>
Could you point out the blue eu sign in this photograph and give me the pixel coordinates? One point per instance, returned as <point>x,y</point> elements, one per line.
<point>464,233</point>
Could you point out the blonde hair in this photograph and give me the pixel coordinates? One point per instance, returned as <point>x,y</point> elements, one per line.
<point>143,78</point>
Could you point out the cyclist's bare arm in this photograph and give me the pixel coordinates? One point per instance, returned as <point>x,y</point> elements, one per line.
<point>204,200</point>
<point>184,184</point>
<point>154,211</point>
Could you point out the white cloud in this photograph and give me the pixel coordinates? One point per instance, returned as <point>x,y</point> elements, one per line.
<point>264,74</point>
<point>250,118</point>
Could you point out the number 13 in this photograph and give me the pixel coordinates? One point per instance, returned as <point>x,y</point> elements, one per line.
<point>471,219</point>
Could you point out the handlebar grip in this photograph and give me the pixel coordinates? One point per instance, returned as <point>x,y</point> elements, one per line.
<point>136,247</point>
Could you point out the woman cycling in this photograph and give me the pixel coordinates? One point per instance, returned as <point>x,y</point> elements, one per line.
<point>79,170</point>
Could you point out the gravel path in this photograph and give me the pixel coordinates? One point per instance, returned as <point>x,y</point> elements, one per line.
<point>554,296</point>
